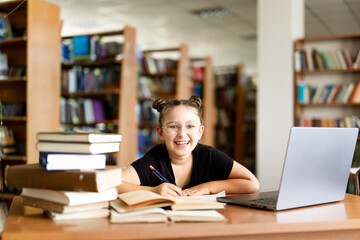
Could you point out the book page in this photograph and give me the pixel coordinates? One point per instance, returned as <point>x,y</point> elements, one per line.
<point>210,197</point>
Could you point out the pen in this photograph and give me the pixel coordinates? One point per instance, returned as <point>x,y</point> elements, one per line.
<point>159,175</point>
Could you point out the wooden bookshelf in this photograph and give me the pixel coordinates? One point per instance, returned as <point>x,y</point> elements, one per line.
<point>324,110</point>
<point>167,77</point>
<point>230,109</point>
<point>204,87</point>
<point>35,48</point>
<point>38,52</point>
<point>121,93</point>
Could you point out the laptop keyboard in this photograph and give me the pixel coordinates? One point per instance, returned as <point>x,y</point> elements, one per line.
<point>267,201</point>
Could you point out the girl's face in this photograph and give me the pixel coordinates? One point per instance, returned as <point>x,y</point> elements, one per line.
<point>181,131</point>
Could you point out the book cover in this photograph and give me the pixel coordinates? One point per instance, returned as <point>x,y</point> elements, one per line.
<point>60,208</point>
<point>77,147</point>
<point>94,213</point>
<point>81,48</point>
<point>79,137</point>
<point>66,161</point>
<point>70,198</point>
<point>139,199</point>
<point>34,176</point>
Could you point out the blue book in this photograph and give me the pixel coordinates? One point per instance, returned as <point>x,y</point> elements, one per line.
<point>71,161</point>
<point>81,48</point>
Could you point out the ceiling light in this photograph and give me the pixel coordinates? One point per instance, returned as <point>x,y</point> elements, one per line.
<point>211,13</point>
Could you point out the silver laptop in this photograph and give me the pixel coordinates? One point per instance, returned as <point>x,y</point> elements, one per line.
<point>316,170</point>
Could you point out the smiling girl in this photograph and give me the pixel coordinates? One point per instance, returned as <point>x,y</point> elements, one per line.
<point>190,167</point>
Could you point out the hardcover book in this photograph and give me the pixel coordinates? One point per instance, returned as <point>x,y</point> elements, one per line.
<point>72,147</point>
<point>94,213</point>
<point>79,137</point>
<point>34,176</point>
<point>60,208</point>
<point>66,161</point>
<point>70,198</point>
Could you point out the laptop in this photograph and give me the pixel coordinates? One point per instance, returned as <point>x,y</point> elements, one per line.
<point>316,170</point>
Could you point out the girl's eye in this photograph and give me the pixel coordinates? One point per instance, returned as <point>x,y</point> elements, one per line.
<point>173,126</point>
<point>190,126</point>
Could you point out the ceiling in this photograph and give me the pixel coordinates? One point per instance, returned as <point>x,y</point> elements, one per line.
<point>229,40</point>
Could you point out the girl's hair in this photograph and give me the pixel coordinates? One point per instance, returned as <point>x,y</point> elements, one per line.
<point>164,105</point>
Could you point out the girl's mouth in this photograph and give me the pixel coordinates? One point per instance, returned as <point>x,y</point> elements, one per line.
<point>182,142</point>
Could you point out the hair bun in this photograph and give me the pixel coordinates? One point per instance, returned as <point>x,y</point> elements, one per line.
<point>158,104</point>
<point>196,100</point>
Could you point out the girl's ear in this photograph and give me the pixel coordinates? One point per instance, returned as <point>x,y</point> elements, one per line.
<point>202,128</point>
<point>160,132</point>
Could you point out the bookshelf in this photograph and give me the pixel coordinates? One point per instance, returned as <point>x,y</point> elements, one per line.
<point>229,97</point>
<point>34,50</point>
<point>103,97</point>
<point>327,81</point>
<point>164,73</point>
<point>204,87</point>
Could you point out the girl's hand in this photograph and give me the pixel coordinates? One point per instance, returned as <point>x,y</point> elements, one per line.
<point>168,190</point>
<point>196,190</point>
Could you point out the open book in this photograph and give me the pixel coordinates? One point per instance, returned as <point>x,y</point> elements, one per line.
<point>143,199</point>
<point>161,215</point>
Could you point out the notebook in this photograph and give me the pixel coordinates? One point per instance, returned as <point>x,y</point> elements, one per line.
<point>316,170</point>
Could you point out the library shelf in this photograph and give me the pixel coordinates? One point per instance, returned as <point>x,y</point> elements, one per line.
<point>204,87</point>
<point>338,67</point>
<point>117,98</point>
<point>236,114</point>
<point>170,76</point>
<point>34,47</point>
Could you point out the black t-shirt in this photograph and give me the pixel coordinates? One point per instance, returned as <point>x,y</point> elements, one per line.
<point>209,164</point>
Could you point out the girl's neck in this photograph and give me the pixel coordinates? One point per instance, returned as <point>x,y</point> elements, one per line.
<point>175,160</point>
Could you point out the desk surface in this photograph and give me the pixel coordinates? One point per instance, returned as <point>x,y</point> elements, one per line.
<point>335,220</point>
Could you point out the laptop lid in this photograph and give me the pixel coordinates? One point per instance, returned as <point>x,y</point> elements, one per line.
<point>316,170</point>
<point>317,166</point>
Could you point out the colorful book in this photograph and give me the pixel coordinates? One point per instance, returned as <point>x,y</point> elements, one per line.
<point>78,147</point>
<point>79,137</point>
<point>70,198</point>
<point>66,161</point>
<point>34,176</point>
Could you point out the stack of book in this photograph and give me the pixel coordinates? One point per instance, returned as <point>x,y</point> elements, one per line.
<point>76,150</point>
<point>71,180</point>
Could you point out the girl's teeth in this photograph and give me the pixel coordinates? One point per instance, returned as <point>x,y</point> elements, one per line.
<point>181,143</point>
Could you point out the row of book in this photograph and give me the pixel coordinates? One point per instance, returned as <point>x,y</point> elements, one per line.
<point>152,65</point>
<point>147,138</point>
<point>87,110</point>
<point>7,141</point>
<point>225,96</point>
<point>16,109</point>
<point>145,112</point>
<point>348,121</point>
<point>329,93</point>
<point>149,88</point>
<point>84,79</point>
<point>339,59</point>
<point>88,48</point>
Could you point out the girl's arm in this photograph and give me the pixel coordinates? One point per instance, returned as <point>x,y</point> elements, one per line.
<point>131,182</point>
<point>240,180</point>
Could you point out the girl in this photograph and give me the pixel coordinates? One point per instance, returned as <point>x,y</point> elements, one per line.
<point>189,167</point>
